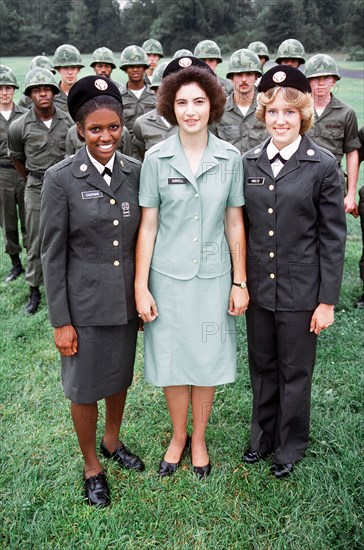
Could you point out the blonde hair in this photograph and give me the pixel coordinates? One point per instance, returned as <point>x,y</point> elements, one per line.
<point>297,99</point>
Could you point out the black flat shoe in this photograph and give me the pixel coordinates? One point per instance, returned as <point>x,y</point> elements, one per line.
<point>281,471</point>
<point>97,490</point>
<point>202,471</point>
<point>124,457</point>
<point>252,457</point>
<point>169,468</point>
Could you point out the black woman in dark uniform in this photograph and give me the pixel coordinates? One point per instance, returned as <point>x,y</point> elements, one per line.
<point>89,222</point>
<point>295,256</point>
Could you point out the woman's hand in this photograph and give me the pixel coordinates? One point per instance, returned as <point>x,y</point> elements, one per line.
<point>322,318</point>
<point>146,306</point>
<point>66,340</point>
<point>238,301</point>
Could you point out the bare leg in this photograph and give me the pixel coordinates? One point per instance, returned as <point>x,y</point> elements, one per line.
<point>114,415</point>
<point>202,400</point>
<point>84,418</point>
<point>178,399</point>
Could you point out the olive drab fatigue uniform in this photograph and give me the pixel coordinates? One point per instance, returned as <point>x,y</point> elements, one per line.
<point>336,130</point>
<point>60,100</point>
<point>150,129</point>
<point>226,84</point>
<point>295,257</point>
<point>245,132</point>
<point>31,141</point>
<point>74,144</point>
<point>12,187</point>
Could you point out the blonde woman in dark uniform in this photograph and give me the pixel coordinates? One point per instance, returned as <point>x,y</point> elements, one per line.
<point>89,222</point>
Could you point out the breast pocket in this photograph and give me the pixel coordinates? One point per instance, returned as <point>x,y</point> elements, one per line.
<point>229,133</point>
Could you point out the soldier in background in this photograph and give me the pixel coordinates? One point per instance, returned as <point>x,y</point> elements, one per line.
<point>137,97</point>
<point>336,125</point>
<point>291,52</point>
<point>36,141</point>
<point>182,53</point>
<point>154,51</point>
<point>68,62</point>
<point>261,50</point>
<point>210,53</point>
<point>12,185</point>
<point>151,128</point>
<point>37,61</point>
<point>238,125</point>
<point>103,63</point>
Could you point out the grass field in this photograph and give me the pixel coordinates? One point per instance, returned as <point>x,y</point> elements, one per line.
<point>237,507</point>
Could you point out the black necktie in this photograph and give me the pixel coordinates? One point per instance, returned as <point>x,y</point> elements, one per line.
<point>278,156</point>
<point>107,172</point>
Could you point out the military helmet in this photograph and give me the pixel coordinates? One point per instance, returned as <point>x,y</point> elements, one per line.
<point>259,48</point>
<point>42,61</point>
<point>244,61</point>
<point>208,49</point>
<point>153,46</point>
<point>182,53</point>
<point>291,49</point>
<point>39,77</point>
<point>157,75</point>
<point>67,56</point>
<point>103,55</point>
<point>7,77</point>
<point>321,65</point>
<point>132,56</point>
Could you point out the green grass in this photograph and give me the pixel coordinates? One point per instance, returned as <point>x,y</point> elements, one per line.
<point>237,507</point>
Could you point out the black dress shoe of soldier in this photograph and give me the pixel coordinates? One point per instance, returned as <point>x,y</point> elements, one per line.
<point>281,471</point>
<point>252,457</point>
<point>14,273</point>
<point>169,468</point>
<point>124,457</point>
<point>97,490</point>
<point>33,300</point>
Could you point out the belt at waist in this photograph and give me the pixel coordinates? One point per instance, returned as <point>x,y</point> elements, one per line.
<point>7,165</point>
<point>37,175</point>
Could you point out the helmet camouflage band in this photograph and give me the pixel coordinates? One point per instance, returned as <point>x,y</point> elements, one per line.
<point>182,53</point>
<point>103,55</point>
<point>244,61</point>
<point>291,49</point>
<point>7,77</point>
<point>133,56</point>
<point>153,46</point>
<point>67,56</point>
<point>321,65</point>
<point>260,49</point>
<point>208,49</point>
<point>157,75</point>
<point>39,77</point>
<point>42,61</point>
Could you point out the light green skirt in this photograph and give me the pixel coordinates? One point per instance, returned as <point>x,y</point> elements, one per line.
<point>193,339</point>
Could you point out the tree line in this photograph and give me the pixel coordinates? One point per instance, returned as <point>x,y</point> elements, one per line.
<point>31,28</point>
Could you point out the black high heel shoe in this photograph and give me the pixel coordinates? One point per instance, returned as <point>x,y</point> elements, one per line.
<point>169,468</point>
<point>202,471</point>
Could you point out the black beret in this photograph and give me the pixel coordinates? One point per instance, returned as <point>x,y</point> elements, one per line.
<point>89,87</point>
<point>183,63</point>
<point>286,76</point>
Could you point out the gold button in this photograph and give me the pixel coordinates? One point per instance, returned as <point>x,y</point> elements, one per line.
<point>272,276</point>
<point>270,210</point>
<point>271,254</point>
<point>116,263</point>
<point>271,187</point>
<point>271,233</point>
<point>112,201</point>
<point>116,222</point>
<point>115,243</point>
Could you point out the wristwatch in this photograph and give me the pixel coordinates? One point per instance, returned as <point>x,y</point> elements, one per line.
<point>241,285</point>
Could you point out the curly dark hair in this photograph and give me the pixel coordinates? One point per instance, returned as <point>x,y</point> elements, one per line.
<point>95,104</point>
<point>204,78</point>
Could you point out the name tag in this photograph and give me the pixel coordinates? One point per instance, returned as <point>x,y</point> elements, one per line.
<point>177,181</point>
<point>92,194</point>
<point>255,181</point>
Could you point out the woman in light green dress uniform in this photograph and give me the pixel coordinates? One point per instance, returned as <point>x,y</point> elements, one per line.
<point>191,280</point>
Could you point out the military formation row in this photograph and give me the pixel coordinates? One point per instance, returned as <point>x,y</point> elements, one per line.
<point>39,132</point>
